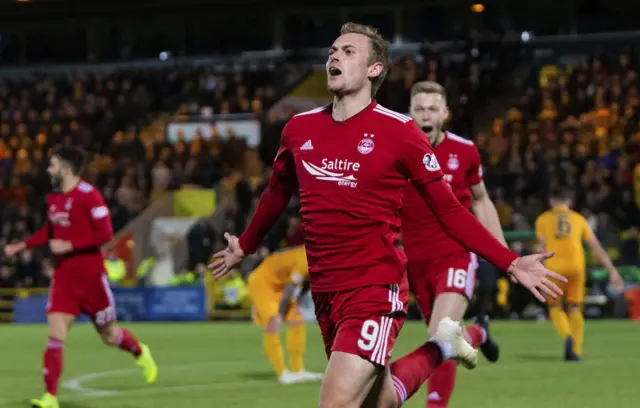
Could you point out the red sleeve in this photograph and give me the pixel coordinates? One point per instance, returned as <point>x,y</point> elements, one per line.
<point>474,175</point>
<point>40,237</point>
<point>462,226</point>
<point>101,228</point>
<point>274,200</point>
<point>418,162</point>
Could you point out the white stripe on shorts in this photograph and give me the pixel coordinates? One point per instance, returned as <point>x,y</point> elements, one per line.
<point>471,275</point>
<point>382,339</point>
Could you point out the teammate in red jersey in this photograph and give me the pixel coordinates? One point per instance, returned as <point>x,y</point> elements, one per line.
<point>78,225</point>
<point>351,161</point>
<point>441,271</point>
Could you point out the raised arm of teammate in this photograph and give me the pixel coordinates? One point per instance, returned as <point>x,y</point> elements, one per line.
<point>419,163</point>
<point>273,202</point>
<point>486,212</point>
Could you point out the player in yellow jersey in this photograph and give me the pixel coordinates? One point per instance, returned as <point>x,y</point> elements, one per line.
<point>562,231</point>
<point>275,287</point>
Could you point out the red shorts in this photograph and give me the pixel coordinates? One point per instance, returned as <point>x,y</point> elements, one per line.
<point>87,294</point>
<point>365,321</point>
<point>455,273</point>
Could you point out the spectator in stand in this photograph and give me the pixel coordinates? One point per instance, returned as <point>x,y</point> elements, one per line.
<point>118,118</point>
<point>7,277</point>
<point>577,128</point>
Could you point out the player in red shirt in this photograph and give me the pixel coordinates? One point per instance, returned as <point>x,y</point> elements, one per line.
<point>351,161</point>
<point>441,271</point>
<point>78,225</point>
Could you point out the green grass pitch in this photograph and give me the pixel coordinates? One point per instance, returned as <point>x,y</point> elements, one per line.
<point>208,365</point>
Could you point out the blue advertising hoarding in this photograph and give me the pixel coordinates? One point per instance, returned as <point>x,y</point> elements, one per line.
<point>184,303</point>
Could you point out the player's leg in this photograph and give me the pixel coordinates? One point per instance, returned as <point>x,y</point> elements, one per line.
<point>62,309</point>
<point>423,284</point>
<point>452,280</point>
<point>348,380</point>
<point>99,305</point>
<point>575,303</point>
<point>406,375</point>
<point>368,322</point>
<point>350,373</point>
<point>441,383</point>
<point>265,310</point>
<point>560,320</point>
<point>296,344</point>
<point>116,336</point>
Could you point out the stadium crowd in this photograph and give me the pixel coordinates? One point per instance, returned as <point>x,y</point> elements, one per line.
<point>118,118</point>
<point>575,127</point>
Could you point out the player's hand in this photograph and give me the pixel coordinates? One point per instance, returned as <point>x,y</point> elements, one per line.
<point>274,324</point>
<point>60,246</point>
<point>13,249</point>
<point>263,252</point>
<point>616,281</point>
<point>228,257</point>
<point>530,273</point>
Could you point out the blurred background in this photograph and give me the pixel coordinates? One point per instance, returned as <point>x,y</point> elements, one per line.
<point>181,105</point>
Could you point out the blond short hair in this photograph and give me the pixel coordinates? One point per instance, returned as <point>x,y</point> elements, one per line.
<point>379,51</point>
<point>428,87</point>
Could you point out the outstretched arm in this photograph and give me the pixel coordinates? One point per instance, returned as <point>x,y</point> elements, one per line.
<point>420,165</point>
<point>462,226</point>
<point>40,237</point>
<point>605,260</point>
<point>273,201</point>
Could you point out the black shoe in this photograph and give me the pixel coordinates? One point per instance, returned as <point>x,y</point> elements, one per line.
<point>489,348</point>
<point>569,354</point>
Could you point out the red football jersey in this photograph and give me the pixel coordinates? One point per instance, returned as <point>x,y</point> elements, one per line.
<point>352,176</point>
<point>422,236</point>
<point>81,217</point>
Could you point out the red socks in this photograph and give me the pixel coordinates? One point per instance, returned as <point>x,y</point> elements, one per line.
<point>127,342</point>
<point>441,384</point>
<point>476,335</point>
<point>52,361</point>
<point>443,380</point>
<point>411,371</point>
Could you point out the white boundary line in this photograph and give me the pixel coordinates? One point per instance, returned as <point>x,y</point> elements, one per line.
<point>76,384</point>
<point>161,390</point>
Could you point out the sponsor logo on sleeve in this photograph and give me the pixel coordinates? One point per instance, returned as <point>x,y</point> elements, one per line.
<point>430,162</point>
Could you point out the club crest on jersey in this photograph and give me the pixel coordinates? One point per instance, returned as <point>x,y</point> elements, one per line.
<point>366,145</point>
<point>430,162</point>
<point>68,204</point>
<point>453,163</point>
